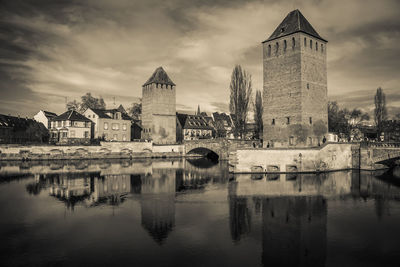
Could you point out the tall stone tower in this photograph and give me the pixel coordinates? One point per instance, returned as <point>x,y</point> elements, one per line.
<point>295,84</point>
<point>158,108</point>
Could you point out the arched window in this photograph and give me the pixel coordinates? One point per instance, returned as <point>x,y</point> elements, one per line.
<point>316,46</point>
<point>311,44</point>
<point>269,50</point>
<point>322,48</point>
<point>305,42</point>
<point>293,43</point>
<point>277,47</point>
<point>284,45</point>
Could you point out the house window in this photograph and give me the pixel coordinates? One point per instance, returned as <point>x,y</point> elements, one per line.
<point>58,123</point>
<point>293,43</point>
<point>124,126</point>
<point>284,45</point>
<point>310,120</point>
<point>64,134</point>
<point>273,122</point>
<point>72,133</point>
<point>106,126</point>
<point>63,123</point>
<point>276,48</point>
<point>305,42</point>
<point>308,86</point>
<point>75,123</point>
<point>86,124</point>
<point>322,48</point>
<point>311,44</point>
<point>124,137</point>
<point>94,116</point>
<point>316,46</point>
<point>269,50</point>
<point>287,120</point>
<point>88,116</point>
<point>86,134</point>
<point>115,136</point>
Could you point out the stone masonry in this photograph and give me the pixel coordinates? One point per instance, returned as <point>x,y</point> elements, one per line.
<point>158,108</point>
<point>295,85</point>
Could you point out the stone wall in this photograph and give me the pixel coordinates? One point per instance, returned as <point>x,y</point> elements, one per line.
<point>328,158</point>
<point>294,91</point>
<point>159,113</point>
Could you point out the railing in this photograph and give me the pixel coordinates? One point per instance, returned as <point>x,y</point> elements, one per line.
<point>380,144</point>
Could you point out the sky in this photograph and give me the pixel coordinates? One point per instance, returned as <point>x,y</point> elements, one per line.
<point>56,51</point>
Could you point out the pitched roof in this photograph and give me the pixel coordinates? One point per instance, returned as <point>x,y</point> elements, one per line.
<point>101,113</point>
<point>159,76</point>
<point>294,22</point>
<point>71,115</point>
<point>193,121</point>
<point>104,113</point>
<point>49,114</point>
<point>16,123</point>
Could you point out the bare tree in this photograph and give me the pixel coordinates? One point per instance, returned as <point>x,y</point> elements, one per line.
<point>380,108</point>
<point>240,88</point>
<point>258,110</point>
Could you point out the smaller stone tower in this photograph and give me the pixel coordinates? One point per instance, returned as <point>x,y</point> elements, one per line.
<point>158,108</point>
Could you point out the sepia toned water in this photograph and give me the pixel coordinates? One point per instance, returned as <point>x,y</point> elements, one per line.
<point>194,213</point>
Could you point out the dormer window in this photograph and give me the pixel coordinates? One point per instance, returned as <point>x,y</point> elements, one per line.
<point>282,29</point>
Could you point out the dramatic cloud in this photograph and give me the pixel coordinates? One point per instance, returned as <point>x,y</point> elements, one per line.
<point>53,51</point>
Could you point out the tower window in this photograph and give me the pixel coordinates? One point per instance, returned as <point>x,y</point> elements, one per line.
<point>273,122</point>
<point>277,47</point>
<point>293,43</point>
<point>269,50</point>
<point>310,120</point>
<point>287,120</point>
<point>316,46</point>
<point>305,42</point>
<point>311,44</point>
<point>284,45</point>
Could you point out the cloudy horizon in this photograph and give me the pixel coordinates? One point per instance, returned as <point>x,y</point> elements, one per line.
<point>53,51</point>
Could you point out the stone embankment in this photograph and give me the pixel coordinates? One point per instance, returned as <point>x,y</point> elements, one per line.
<point>106,150</point>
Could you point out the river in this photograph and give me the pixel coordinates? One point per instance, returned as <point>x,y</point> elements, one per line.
<point>194,213</point>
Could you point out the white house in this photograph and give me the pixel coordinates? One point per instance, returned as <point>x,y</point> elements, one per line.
<point>44,117</point>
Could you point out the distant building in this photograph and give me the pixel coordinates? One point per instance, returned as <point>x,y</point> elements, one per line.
<point>223,125</point>
<point>16,130</point>
<point>295,84</point>
<point>192,127</point>
<point>110,124</point>
<point>158,108</point>
<point>44,117</point>
<point>70,127</point>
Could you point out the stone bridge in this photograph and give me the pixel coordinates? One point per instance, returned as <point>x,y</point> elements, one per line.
<point>220,146</point>
<point>379,155</point>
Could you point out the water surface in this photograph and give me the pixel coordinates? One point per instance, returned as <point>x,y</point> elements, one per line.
<point>193,213</point>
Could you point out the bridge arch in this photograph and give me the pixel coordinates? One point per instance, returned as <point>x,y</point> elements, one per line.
<point>204,151</point>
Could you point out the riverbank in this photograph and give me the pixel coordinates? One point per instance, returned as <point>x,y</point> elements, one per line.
<point>106,150</point>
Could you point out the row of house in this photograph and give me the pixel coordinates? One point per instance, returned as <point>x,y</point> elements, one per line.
<point>72,127</point>
<point>103,124</point>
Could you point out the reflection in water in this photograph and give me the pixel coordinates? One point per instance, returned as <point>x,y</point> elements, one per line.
<point>158,203</point>
<point>279,219</point>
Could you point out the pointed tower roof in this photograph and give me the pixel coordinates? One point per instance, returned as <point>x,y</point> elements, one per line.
<point>159,76</point>
<point>294,22</point>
